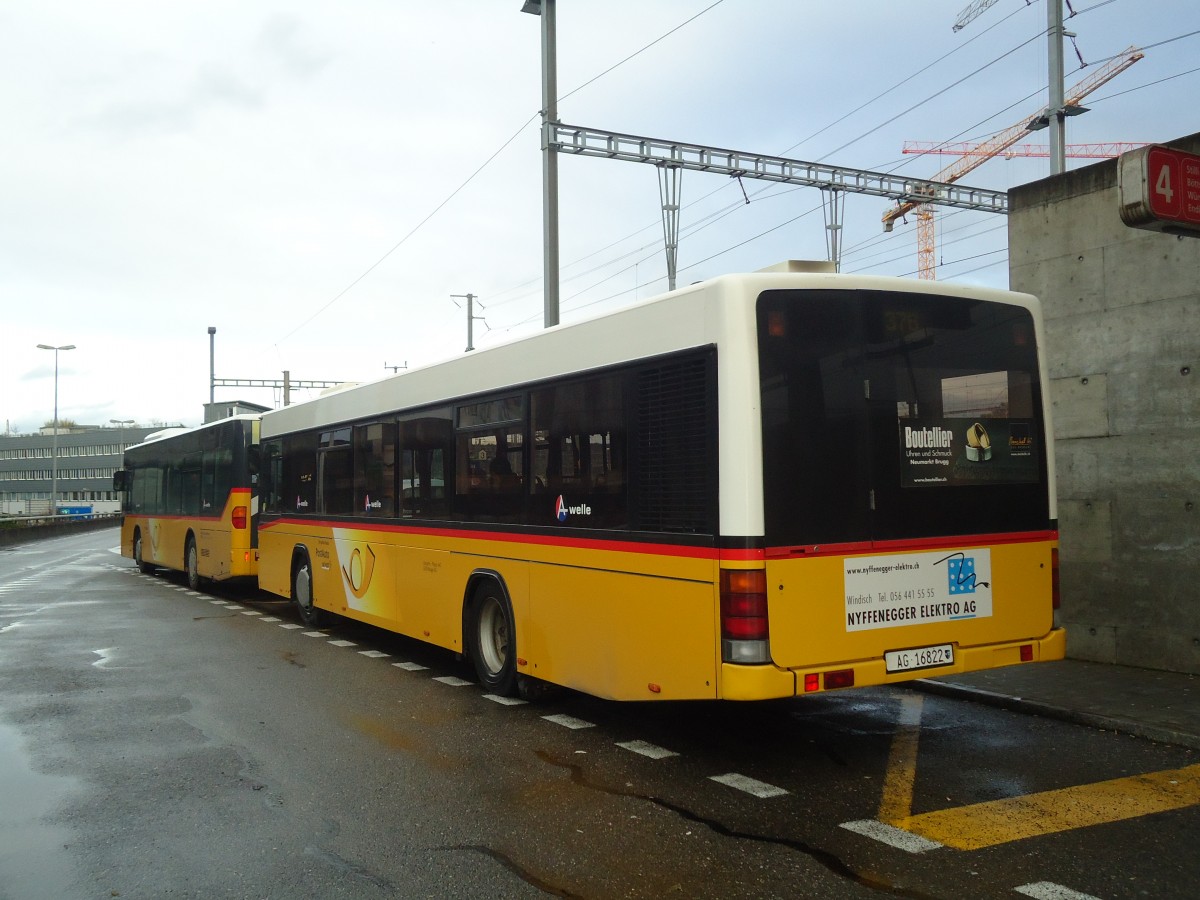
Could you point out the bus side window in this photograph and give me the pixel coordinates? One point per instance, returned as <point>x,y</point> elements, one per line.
<point>426,464</point>
<point>270,468</point>
<point>335,473</point>
<point>375,469</point>
<point>580,452</point>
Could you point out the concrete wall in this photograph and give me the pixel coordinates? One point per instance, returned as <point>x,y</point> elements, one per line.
<point>1122,312</point>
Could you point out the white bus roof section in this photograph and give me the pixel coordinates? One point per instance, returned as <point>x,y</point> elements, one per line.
<point>719,312</point>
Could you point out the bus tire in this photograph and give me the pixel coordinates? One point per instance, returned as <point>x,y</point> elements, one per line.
<point>144,567</point>
<point>302,595</point>
<point>191,564</point>
<point>491,639</point>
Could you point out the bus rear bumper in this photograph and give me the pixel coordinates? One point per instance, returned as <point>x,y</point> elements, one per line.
<point>742,682</point>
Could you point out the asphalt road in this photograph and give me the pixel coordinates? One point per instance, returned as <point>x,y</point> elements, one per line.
<point>160,743</point>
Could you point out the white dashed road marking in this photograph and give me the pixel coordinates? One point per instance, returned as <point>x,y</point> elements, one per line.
<point>505,701</point>
<point>892,836</point>
<point>374,654</point>
<point>647,749</point>
<point>453,681</point>
<point>410,666</point>
<point>759,789</point>
<point>340,643</point>
<point>569,722</point>
<point>1048,890</point>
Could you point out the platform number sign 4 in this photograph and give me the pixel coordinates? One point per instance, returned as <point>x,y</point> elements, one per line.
<point>1159,189</point>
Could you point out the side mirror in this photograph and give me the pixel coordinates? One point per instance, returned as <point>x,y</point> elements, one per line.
<point>120,482</point>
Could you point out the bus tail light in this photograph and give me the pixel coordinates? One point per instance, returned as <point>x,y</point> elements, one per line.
<point>839,678</point>
<point>828,681</point>
<point>744,629</point>
<point>239,517</point>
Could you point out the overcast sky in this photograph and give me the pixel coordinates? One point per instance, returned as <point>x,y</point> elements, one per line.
<point>298,175</point>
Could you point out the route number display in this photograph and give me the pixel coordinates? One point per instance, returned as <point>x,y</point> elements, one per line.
<point>1158,189</point>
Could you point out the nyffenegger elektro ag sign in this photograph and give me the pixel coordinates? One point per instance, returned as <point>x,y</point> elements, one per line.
<point>1159,189</point>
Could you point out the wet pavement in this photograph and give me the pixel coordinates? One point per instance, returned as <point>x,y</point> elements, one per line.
<point>1159,706</point>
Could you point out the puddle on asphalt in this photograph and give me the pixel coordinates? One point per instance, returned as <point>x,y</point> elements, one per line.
<point>33,862</point>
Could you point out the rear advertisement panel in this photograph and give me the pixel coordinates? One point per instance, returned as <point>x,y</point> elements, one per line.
<point>951,452</point>
<point>918,588</point>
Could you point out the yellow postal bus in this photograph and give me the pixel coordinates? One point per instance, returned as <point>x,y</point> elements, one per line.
<point>758,486</point>
<point>190,500</point>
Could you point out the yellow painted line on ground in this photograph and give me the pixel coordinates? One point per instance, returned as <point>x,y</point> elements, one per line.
<point>895,804</point>
<point>1001,821</point>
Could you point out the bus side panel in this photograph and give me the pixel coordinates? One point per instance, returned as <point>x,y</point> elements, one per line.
<point>275,543</point>
<point>614,634</point>
<point>411,589</point>
<point>163,539</point>
<point>128,525</point>
<point>821,612</point>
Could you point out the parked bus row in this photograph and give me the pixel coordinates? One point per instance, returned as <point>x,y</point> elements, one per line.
<point>759,486</point>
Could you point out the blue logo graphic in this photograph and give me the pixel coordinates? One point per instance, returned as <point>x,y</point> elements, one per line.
<point>962,574</point>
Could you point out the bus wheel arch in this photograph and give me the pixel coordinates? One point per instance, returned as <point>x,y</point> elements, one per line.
<point>191,562</point>
<point>489,632</point>
<point>302,589</point>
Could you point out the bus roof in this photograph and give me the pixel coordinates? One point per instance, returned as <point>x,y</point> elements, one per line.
<point>702,314</point>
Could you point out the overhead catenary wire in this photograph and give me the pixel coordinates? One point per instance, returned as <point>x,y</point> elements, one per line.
<point>483,166</point>
<point>721,213</point>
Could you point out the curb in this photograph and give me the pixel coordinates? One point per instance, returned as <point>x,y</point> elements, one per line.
<point>1156,733</point>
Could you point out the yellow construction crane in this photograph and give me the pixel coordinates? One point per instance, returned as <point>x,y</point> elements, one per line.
<point>998,143</point>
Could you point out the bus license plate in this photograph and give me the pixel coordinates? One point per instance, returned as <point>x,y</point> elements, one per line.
<point>919,658</point>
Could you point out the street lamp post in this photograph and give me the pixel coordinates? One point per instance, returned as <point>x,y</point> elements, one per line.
<point>54,450</point>
<point>546,9</point>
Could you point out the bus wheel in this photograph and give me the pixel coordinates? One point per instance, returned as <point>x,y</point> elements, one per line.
<point>191,564</point>
<point>492,640</point>
<point>144,567</point>
<point>302,594</point>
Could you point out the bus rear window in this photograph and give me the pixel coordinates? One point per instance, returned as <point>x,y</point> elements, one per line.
<point>890,415</point>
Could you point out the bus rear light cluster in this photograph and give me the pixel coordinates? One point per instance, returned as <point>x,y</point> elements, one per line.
<point>239,517</point>
<point>745,634</point>
<point>829,681</point>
